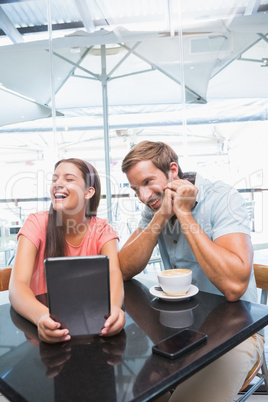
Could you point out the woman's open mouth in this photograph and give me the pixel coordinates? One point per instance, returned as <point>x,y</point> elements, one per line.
<point>60,196</point>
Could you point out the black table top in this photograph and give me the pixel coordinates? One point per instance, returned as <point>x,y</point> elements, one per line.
<point>121,368</point>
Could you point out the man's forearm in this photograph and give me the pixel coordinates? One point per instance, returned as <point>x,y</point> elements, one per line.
<point>226,261</point>
<point>137,251</point>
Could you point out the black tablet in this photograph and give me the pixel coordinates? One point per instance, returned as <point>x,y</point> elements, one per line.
<point>78,291</point>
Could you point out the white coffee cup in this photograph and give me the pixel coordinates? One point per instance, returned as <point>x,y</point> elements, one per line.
<point>175,282</point>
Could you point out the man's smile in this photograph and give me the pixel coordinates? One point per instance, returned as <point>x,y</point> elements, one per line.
<point>153,203</point>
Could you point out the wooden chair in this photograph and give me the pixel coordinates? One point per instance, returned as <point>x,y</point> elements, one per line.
<point>5,278</point>
<point>261,277</point>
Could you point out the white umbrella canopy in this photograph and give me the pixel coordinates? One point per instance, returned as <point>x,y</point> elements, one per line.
<point>141,68</point>
<point>17,108</point>
<point>142,73</point>
<point>33,77</point>
<point>77,69</point>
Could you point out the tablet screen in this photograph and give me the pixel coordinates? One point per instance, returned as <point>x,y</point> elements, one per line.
<point>79,292</point>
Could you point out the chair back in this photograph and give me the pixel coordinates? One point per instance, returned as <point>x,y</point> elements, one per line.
<point>261,275</point>
<point>5,278</point>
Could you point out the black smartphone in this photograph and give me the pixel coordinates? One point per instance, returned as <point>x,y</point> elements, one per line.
<point>177,344</point>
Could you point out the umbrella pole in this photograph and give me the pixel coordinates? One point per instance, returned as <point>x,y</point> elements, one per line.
<point>106,132</point>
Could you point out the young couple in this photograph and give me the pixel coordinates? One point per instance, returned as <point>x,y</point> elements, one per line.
<point>198,225</point>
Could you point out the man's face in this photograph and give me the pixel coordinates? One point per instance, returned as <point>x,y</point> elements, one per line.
<point>148,182</point>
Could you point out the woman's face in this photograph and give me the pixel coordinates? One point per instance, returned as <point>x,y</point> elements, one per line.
<point>68,190</point>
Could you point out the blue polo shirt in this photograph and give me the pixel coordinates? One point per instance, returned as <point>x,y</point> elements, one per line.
<point>219,210</point>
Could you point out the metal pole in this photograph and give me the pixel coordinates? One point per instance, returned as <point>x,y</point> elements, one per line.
<point>106,132</point>
<point>51,153</point>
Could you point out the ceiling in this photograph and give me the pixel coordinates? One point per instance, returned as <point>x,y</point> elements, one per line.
<point>21,17</point>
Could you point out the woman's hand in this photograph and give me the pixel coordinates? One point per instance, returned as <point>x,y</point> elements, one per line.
<point>114,323</point>
<point>49,330</point>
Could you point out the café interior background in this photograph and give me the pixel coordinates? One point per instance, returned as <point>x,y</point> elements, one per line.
<point>91,78</point>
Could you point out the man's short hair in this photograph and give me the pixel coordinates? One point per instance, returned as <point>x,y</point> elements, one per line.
<point>159,153</point>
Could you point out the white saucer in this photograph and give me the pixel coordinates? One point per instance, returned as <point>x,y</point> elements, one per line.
<point>162,295</point>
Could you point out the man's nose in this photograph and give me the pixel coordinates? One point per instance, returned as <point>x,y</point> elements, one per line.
<point>145,194</point>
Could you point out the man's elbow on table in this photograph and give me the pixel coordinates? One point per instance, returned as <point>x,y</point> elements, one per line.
<point>128,273</point>
<point>127,268</point>
<point>235,292</point>
<point>123,265</point>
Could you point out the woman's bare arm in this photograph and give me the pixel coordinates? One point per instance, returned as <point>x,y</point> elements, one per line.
<point>116,321</point>
<point>24,301</point>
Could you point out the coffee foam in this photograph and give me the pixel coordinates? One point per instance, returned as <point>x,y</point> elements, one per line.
<point>175,272</point>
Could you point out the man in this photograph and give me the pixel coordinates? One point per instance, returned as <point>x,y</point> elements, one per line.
<point>198,225</point>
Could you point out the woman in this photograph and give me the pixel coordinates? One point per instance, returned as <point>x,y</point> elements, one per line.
<point>70,228</point>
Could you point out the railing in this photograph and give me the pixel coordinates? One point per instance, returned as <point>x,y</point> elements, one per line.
<point>125,220</point>
<point>251,190</point>
<point>251,203</point>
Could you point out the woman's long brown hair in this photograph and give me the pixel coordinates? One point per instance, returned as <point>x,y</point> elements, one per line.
<point>55,240</point>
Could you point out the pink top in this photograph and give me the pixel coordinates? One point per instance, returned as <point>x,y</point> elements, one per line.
<point>34,228</point>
